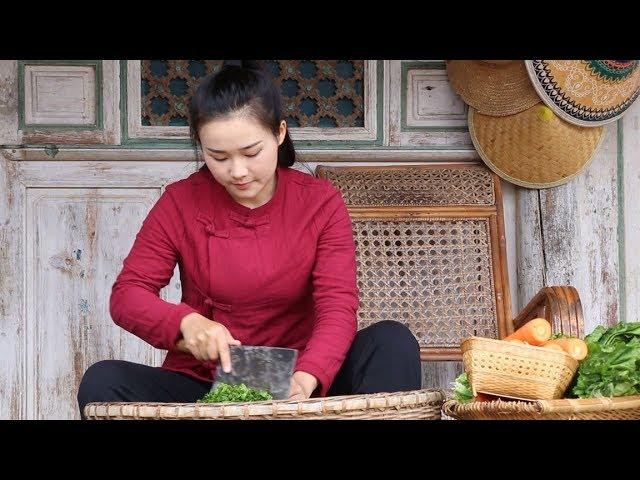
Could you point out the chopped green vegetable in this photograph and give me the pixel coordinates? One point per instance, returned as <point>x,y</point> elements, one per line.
<point>462,389</point>
<point>558,335</point>
<point>235,393</point>
<point>612,367</point>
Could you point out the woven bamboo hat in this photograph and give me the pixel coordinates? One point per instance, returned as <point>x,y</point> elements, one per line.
<point>534,148</point>
<point>493,87</point>
<point>586,92</point>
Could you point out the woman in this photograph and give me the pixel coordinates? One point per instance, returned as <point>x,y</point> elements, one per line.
<point>266,257</point>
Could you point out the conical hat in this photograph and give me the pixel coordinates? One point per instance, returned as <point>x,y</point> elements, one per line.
<point>493,87</point>
<point>534,148</point>
<point>586,92</point>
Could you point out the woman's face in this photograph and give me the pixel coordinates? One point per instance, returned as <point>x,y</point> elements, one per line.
<point>242,156</point>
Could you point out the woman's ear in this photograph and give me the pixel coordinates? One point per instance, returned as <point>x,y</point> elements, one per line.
<point>283,132</point>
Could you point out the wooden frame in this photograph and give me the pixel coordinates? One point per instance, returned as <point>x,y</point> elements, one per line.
<point>494,216</point>
<point>188,155</point>
<point>105,130</point>
<point>369,132</point>
<point>560,305</point>
<point>403,129</point>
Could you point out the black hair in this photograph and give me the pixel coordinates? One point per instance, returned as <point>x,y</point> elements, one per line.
<point>239,84</point>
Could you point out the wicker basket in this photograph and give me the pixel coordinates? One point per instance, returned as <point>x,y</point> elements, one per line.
<point>423,404</point>
<point>516,371</point>
<point>617,408</point>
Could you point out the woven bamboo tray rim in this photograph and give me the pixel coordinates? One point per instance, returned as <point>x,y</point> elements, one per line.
<point>527,351</point>
<point>595,408</point>
<point>417,403</point>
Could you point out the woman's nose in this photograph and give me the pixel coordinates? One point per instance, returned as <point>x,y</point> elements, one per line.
<point>238,170</point>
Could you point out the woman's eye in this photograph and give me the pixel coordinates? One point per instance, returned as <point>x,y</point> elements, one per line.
<point>253,154</point>
<point>219,159</point>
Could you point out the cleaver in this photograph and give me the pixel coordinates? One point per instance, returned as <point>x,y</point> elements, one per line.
<point>263,368</point>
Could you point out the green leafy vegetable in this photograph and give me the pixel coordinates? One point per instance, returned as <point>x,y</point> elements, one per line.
<point>558,335</point>
<point>235,393</point>
<point>462,389</point>
<point>612,367</point>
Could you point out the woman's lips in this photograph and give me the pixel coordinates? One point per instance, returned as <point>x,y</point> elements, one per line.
<point>242,186</point>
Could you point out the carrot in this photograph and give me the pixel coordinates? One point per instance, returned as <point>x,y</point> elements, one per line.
<point>534,332</point>
<point>484,397</point>
<point>552,346</point>
<point>573,346</point>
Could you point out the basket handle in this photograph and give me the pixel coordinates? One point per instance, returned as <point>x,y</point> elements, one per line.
<point>560,305</point>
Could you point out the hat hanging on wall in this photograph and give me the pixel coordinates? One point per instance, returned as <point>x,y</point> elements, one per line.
<point>586,92</point>
<point>533,148</point>
<point>493,87</point>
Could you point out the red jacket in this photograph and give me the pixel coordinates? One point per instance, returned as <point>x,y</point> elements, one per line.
<point>283,274</point>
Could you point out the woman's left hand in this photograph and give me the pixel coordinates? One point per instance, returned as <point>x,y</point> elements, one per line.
<point>302,385</point>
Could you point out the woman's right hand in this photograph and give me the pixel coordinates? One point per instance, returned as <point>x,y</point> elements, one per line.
<point>206,340</point>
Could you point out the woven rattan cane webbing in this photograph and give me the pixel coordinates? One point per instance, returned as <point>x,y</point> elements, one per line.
<point>401,186</point>
<point>428,250</point>
<point>432,275</point>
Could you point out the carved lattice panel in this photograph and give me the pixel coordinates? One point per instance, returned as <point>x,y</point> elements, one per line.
<point>315,93</point>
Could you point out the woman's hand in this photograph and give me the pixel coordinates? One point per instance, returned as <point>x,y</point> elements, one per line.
<point>302,385</point>
<point>206,340</point>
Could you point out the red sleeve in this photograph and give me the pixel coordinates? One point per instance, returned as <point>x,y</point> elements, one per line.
<point>335,295</point>
<point>135,304</point>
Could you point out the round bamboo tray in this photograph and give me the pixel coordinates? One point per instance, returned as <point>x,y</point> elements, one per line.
<point>616,408</point>
<point>423,404</point>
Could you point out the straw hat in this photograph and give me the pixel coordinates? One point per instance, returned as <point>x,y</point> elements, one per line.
<point>586,92</point>
<point>534,148</point>
<point>493,87</point>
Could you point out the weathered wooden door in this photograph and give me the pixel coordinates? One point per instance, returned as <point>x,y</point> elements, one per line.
<point>72,224</point>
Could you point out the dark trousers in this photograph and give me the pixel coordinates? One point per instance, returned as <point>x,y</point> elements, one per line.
<point>384,357</point>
